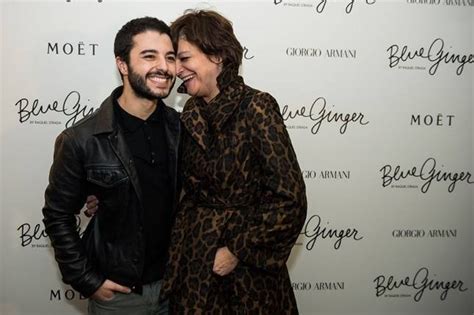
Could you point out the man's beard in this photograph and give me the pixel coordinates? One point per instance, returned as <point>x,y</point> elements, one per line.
<point>138,84</point>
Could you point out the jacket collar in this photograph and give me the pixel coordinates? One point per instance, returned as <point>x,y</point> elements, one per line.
<point>231,87</point>
<point>107,122</point>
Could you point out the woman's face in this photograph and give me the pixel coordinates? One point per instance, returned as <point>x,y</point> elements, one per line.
<point>198,71</point>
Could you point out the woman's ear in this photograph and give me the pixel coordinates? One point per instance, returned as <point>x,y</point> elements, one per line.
<point>216,59</point>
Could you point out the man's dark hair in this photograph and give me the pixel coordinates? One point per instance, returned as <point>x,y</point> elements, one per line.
<point>124,39</point>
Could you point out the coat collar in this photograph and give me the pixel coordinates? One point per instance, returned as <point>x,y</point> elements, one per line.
<point>231,87</point>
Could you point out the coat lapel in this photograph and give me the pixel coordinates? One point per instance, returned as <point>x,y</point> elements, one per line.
<point>195,123</point>
<point>224,105</point>
<point>227,105</point>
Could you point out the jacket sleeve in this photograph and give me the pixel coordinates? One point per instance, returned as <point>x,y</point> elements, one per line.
<point>265,236</point>
<point>64,198</point>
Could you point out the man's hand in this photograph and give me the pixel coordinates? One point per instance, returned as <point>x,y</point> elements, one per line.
<point>107,290</point>
<point>224,262</point>
<point>92,205</point>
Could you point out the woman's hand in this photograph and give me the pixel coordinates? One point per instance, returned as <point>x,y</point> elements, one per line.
<point>224,262</point>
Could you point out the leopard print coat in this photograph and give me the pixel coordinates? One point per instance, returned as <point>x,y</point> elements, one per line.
<point>242,188</point>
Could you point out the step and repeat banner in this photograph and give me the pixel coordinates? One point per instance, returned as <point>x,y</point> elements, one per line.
<point>377,97</point>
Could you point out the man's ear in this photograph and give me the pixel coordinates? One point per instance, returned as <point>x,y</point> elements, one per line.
<point>121,66</point>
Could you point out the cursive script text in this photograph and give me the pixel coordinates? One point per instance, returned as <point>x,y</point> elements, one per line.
<point>322,5</point>
<point>313,230</point>
<point>70,107</point>
<point>427,172</point>
<point>29,232</point>
<point>435,54</point>
<point>318,113</point>
<point>420,282</point>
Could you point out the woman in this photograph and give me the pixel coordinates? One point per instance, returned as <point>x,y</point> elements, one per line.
<point>243,199</point>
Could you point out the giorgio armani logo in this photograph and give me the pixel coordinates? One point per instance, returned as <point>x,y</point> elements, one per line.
<point>459,3</point>
<point>434,55</point>
<point>303,52</point>
<point>416,285</point>
<point>327,174</point>
<point>335,53</point>
<point>35,111</point>
<point>74,49</point>
<point>436,120</point>
<point>318,286</point>
<point>316,231</point>
<point>396,176</point>
<point>319,114</point>
<point>320,5</point>
<point>422,233</point>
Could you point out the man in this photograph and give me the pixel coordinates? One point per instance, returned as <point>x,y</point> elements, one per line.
<point>126,155</point>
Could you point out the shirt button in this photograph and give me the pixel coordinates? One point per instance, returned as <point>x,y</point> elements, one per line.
<point>148,138</point>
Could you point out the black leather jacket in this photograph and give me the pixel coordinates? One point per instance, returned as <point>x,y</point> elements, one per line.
<point>92,158</point>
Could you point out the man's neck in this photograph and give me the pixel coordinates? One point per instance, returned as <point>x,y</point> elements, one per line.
<point>136,106</point>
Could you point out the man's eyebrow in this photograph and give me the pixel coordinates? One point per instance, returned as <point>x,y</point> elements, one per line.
<point>148,51</point>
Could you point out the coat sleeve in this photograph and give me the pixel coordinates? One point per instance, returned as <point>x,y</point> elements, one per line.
<point>265,236</point>
<point>64,198</point>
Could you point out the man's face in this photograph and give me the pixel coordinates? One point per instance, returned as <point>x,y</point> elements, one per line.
<point>151,70</point>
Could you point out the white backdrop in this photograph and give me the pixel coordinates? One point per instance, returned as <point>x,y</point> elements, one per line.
<point>378,99</point>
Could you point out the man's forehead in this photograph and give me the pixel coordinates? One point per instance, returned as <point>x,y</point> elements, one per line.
<point>152,40</point>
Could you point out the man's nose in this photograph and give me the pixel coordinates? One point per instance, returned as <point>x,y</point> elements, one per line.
<point>162,64</point>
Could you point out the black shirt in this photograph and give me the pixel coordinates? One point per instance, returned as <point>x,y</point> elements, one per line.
<point>147,143</point>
